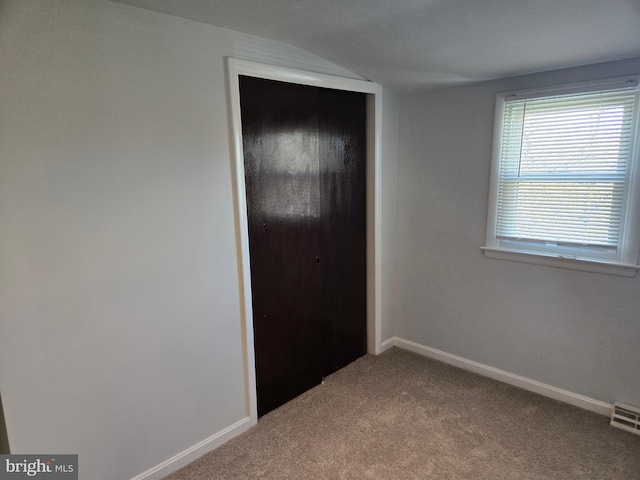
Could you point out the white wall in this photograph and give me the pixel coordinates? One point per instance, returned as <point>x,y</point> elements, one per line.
<point>389,174</point>
<point>120,313</point>
<point>574,330</point>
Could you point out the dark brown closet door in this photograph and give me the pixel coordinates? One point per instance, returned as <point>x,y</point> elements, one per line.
<point>342,156</point>
<point>306,240</point>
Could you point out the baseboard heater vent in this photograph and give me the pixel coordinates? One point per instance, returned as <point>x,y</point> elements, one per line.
<point>626,417</point>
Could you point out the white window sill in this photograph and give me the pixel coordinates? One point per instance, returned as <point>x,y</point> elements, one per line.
<point>609,268</point>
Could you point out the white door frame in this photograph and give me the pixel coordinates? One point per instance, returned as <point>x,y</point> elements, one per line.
<point>374,236</point>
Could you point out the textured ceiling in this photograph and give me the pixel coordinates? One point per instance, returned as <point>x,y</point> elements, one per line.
<point>409,45</point>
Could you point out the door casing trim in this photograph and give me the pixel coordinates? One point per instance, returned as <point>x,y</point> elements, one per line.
<point>235,68</point>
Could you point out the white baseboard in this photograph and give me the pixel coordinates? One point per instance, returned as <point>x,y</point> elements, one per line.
<point>387,344</point>
<point>506,377</point>
<point>190,454</point>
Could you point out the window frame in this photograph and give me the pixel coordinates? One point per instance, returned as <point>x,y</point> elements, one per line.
<point>572,257</point>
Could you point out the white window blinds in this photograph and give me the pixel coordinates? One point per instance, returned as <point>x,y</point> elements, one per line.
<point>564,170</point>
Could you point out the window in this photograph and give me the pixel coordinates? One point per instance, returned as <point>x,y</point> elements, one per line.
<point>564,186</point>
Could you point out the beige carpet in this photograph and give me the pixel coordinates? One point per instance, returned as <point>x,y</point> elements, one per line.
<point>402,416</point>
